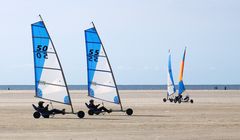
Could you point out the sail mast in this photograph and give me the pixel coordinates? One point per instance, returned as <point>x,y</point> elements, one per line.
<point>110,68</point>
<point>59,65</point>
<point>168,75</point>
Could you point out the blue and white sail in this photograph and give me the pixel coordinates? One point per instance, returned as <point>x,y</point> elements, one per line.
<point>170,82</point>
<point>101,82</point>
<point>50,83</point>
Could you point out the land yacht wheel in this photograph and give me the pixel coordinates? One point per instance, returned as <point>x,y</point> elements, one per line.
<point>129,111</point>
<point>164,99</point>
<point>36,115</point>
<point>191,101</point>
<point>80,114</point>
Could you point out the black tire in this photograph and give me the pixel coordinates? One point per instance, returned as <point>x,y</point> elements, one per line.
<point>164,99</point>
<point>175,100</point>
<point>36,115</point>
<point>97,112</point>
<point>80,114</point>
<point>179,101</point>
<point>171,100</point>
<point>191,101</point>
<point>90,112</point>
<point>129,111</point>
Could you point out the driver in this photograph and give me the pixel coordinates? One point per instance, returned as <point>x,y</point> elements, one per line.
<point>43,109</point>
<point>92,106</point>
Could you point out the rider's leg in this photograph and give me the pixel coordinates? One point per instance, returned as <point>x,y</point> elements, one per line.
<point>56,111</point>
<point>104,109</point>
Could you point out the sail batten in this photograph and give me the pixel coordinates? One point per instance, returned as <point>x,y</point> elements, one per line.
<point>93,42</point>
<point>45,83</point>
<point>99,70</point>
<point>48,68</point>
<point>101,83</point>
<point>43,52</point>
<point>40,37</point>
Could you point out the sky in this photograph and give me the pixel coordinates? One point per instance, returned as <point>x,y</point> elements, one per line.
<point>136,34</point>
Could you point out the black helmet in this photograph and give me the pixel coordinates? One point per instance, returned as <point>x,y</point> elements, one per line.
<point>40,103</point>
<point>91,101</point>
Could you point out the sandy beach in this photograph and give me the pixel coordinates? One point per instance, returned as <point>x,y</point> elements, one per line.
<point>214,115</point>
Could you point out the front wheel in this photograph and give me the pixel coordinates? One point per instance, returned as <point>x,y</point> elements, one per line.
<point>129,111</point>
<point>90,112</point>
<point>164,99</point>
<point>191,101</point>
<point>80,114</point>
<point>36,115</point>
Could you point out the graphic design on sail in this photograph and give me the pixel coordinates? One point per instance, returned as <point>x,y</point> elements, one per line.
<point>50,83</point>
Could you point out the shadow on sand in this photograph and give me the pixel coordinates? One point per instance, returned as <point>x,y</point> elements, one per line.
<point>86,118</point>
<point>150,116</point>
<point>107,117</point>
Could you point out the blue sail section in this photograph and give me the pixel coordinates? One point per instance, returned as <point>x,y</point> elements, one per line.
<point>181,87</point>
<point>170,73</point>
<point>40,39</point>
<point>93,45</point>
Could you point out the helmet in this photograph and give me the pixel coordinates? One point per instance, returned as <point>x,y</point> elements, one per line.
<point>40,103</point>
<point>91,101</point>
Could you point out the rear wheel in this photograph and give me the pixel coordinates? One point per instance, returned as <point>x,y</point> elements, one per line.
<point>164,99</point>
<point>179,101</point>
<point>129,111</point>
<point>191,101</point>
<point>98,112</point>
<point>80,114</point>
<point>90,112</point>
<point>36,115</point>
<point>175,100</point>
<point>171,100</point>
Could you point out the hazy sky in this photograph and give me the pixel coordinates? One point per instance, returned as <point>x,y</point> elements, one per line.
<point>136,33</point>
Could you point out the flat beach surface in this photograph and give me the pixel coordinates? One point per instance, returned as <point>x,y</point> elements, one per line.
<point>214,115</point>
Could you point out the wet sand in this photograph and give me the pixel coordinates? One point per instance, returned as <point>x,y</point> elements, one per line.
<point>214,115</point>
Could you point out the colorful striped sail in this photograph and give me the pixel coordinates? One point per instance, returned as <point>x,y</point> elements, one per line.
<point>170,84</point>
<point>101,82</point>
<point>181,87</point>
<point>50,82</point>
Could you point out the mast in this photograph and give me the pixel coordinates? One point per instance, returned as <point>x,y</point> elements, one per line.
<point>168,73</point>
<point>59,64</point>
<point>110,68</point>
